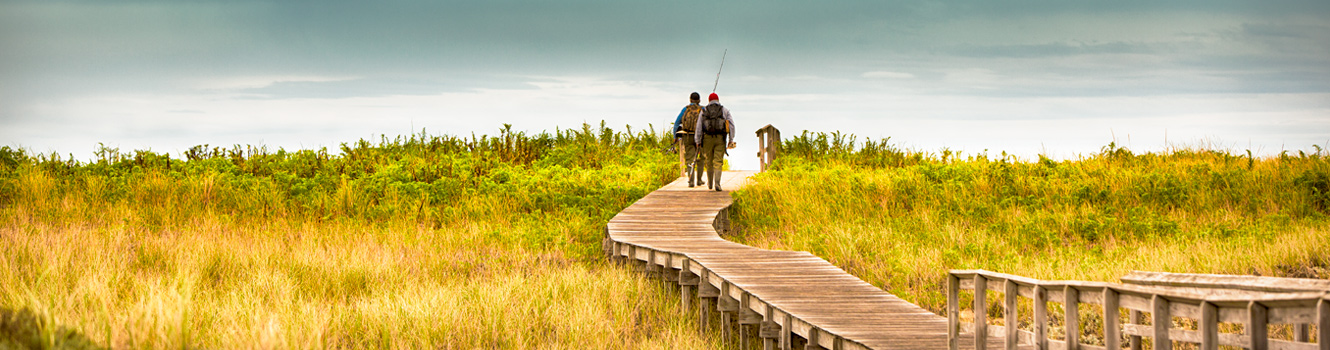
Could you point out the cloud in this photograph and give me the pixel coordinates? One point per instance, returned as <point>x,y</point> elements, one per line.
<point>887,75</point>
<point>376,87</point>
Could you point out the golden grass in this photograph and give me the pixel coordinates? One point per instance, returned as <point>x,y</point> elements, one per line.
<point>315,286</point>
<point>420,242</point>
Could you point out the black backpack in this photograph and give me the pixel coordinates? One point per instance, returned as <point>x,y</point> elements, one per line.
<point>713,121</point>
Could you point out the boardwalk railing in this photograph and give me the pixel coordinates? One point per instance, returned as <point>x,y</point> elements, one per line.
<point>1208,302</point>
<point>1252,283</point>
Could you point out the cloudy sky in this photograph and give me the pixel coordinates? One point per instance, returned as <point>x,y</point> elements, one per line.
<point>1026,77</point>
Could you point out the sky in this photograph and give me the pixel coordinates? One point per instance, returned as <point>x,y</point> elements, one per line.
<point>1059,78</point>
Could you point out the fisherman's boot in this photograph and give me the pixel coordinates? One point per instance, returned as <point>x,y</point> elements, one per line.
<point>692,176</point>
<point>715,178</point>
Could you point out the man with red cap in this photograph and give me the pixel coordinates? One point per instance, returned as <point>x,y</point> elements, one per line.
<point>714,127</point>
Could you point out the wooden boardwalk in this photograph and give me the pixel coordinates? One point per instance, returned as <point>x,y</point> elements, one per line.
<point>787,298</point>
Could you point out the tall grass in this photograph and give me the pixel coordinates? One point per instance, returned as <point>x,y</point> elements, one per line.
<point>415,241</point>
<point>900,219</point>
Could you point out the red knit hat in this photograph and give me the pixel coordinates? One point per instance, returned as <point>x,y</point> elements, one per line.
<point>713,97</point>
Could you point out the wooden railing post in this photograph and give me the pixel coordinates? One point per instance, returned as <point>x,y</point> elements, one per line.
<point>1323,324</point>
<point>1162,321</point>
<point>1009,314</point>
<point>953,311</point>
<point>1209,326</point>
<point>980,312</point>
<point>1257,326</point>
<point>1134,317</point>
<point>1040,318</point>
<point>1112,321</point>
<point>1071,313</point>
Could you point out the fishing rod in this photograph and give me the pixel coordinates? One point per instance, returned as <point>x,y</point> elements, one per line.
<point>722,67</point>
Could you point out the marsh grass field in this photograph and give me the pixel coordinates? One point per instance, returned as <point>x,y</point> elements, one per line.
<point>900,219</point>
<point>493,241</point>
<point>414,242</point>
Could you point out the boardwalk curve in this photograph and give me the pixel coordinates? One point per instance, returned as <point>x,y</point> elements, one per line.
<point>672,233</point>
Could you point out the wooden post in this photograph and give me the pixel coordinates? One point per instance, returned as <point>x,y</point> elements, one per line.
<point>651,267</point>
<point>744,305</point>
<point>1040,318</point>
<point>768,141</point>
<point>1257,327</point>
<point>1072,316</point>
<point>685,289</point>
<point>953,311</point>
<point>786,330</point>
<point>768,322</point>
<point>761,150</point>
<point>722,305</point>
<point>1323,324</point>
<point>1300,333</point>
<point>1134,341</point>
<point>1112,321</point>
<point>980,312</point>
<point>1009,314</point>
<point>703,287</point>
<point>632,258</point>
<point>1209,326</point>
<point>1162,321</point>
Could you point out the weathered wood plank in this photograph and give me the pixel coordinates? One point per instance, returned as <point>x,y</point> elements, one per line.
<point>803,295</point>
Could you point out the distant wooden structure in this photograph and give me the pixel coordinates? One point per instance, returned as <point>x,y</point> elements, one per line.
<point>768,146</point>
<point>784,299</point>
<point>1255,302</point>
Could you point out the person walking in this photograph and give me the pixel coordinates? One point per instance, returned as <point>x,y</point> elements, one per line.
<point>714,127</point>
<point>685,126</point>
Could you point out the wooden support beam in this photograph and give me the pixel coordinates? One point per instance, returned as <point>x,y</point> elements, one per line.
<point>769,330</point>
<point>980,312</point>
<point>1323,324</point>
<point>813,339</point>
<point>1257,326</point>
<point>1010,314</point>
<point>1040,318</point>
<point>1209,326</point>
<point>787,330</point>
<point>1112,320</point>
<point>686,282</point>
<point>1162,321</point>
<point>704,290</point>
<point>1072,317</point>
<point>953,312</point>
<point>726,307</point>
<point>1134,317</point>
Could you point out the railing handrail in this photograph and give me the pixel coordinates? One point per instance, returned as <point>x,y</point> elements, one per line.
<point>1212,281</point>
<point>1174,293</point>
<point>1209,306</point>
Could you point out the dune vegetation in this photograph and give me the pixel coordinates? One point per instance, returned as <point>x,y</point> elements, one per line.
<point>901,219</point>
<point>415,241</point>
<point>492,241</point>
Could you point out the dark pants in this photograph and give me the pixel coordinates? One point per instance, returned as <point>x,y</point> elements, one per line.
<point>713,148</point>
<point>692,161</point>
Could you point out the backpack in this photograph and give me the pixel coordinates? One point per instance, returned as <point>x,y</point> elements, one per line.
<point>690,118</point>
<point>713,122</point>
